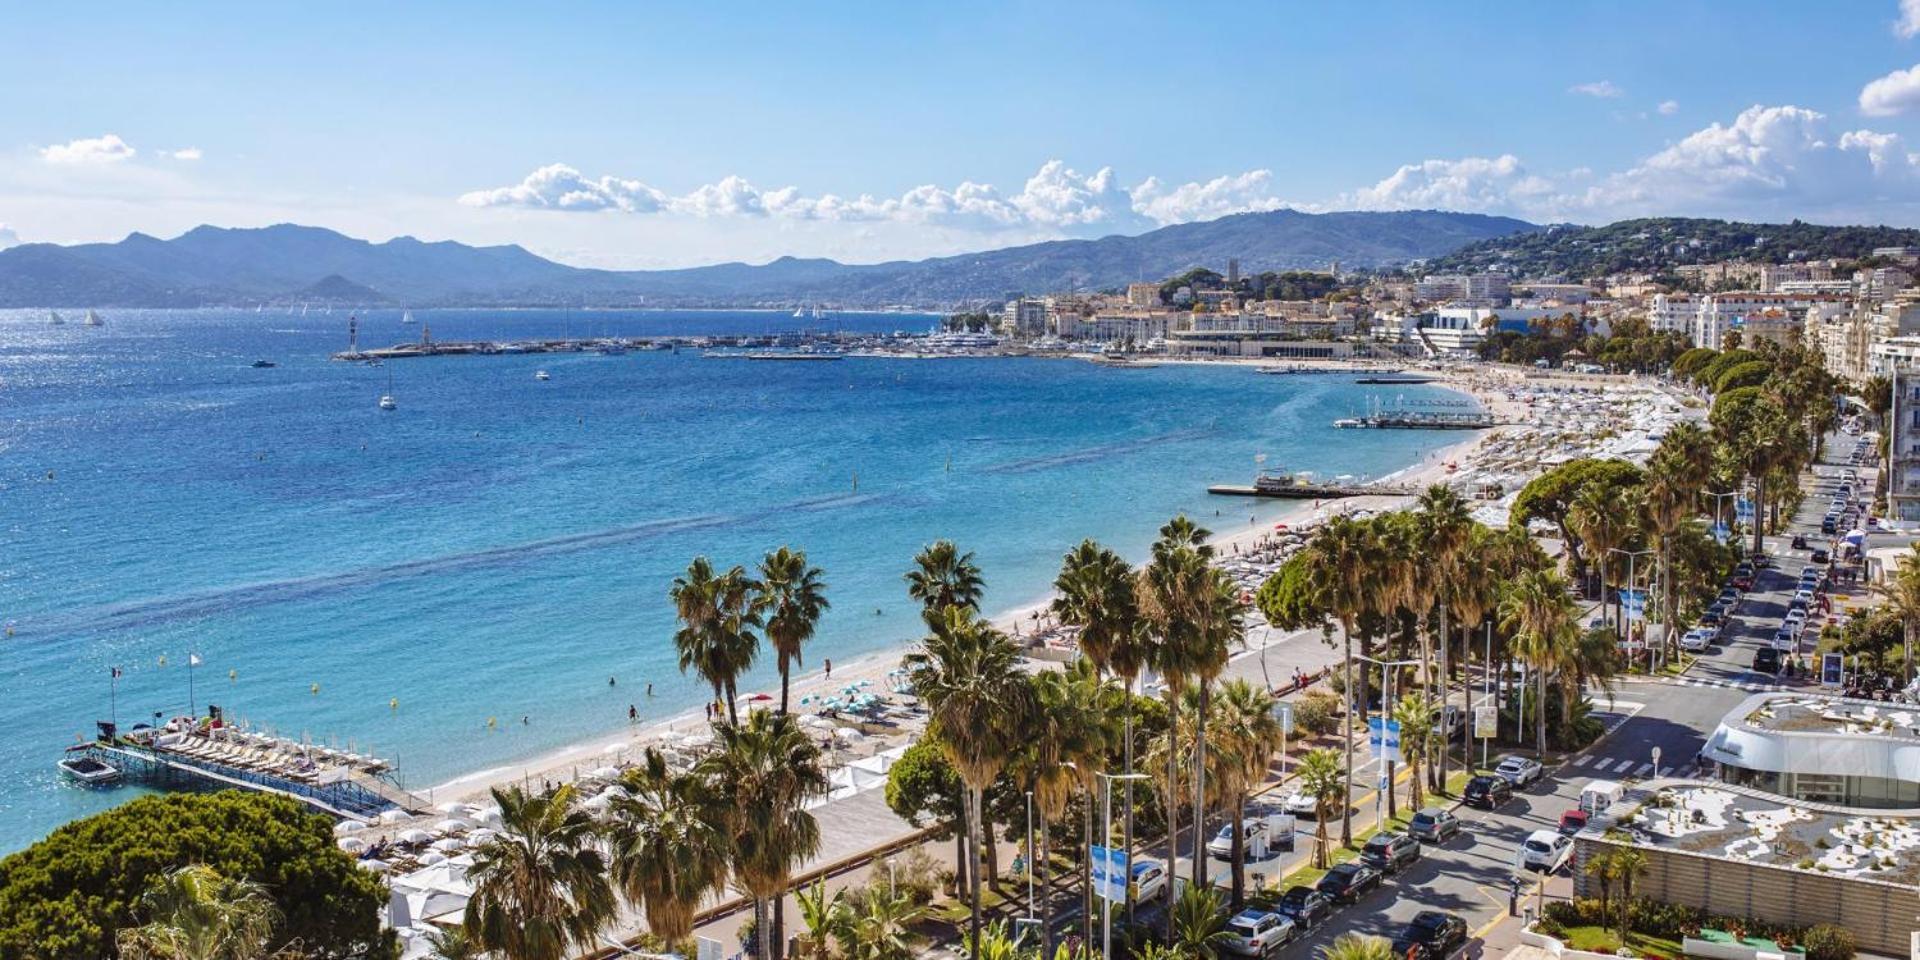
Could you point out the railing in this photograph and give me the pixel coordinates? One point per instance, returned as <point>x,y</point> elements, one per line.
<point>339,798</point>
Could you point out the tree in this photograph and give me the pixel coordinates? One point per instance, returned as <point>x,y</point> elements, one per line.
<point>1356,946</point>
<point>1756,435</point>
<point>454,943</point>
<point>770,769</point>
<point>1686,365</point>
<point>1339,559</point>
<point>923,786</point>
<point>1199,925</point>
<point>968,675</point>
<point>879,924</point>
<point>668,843</point>
<point>1538,611</point>
<point>64,897</point>
<point>540,886</point>
<point>829,920</point>
<point>792,599</point>
<point>1551,494</point>
<point>1903,601</point>
<point>1246,736</point>
<point>1604,869</point>
<point>1877,393</point>
<point>944,577</point>
<point>1750,374</point>
<point>1415,716</point>
<point>1602,517</point>
<point>1321,777</point>
<point>1447,527</point>
<point>1063,744</point>
<point>194,913</point>
<point>1629,865</point>
<point>717,618</point>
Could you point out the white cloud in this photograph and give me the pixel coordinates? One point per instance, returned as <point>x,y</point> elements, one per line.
<point>8,238</point>
<point>1056,200</point>
<point>1908,26</point>
<point>1489,185</point>
<point>1895,93</point>
<point>1603,89</point>
<point>184,153</point>
<point>103,149</point>
<point>1668,108</point>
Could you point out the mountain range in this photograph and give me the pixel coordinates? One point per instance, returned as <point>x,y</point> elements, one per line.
<point>215,266</point>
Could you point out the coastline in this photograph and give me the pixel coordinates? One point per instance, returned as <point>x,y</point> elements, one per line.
<point>570,761</point>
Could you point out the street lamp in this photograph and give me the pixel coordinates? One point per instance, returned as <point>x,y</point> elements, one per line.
<point>1620,624</point>
<point>1386,781</point>
<point>1717,497</point>
<point>1106,835</point>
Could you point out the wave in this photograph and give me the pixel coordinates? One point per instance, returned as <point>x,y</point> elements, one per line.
<point>1101,452</point>
<point>190,606</point>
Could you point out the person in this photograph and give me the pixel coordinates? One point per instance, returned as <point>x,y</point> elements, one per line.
<point>609,681</point>
<point>633,713</point>
<point>525,720</point>
<point>709,710</point>
<point>649,688</point>
<point>829,665</point>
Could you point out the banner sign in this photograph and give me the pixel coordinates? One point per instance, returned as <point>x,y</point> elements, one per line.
<point>1383,738</point>
<point>1109,872</point>
<point>1743,510</point>
<point>1634,604</point>
<point>1833,669</point>
<point>1486,721</point>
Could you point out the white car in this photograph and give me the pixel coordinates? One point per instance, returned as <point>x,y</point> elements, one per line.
<point>1697,639</point>
<point>1299,804</point>
<point>1221,846</point>
<point>1519,771</point>
<point>1545,850</point>
<point>1257,933</point>
<point>1149,878</point>
<point>1795,618</point>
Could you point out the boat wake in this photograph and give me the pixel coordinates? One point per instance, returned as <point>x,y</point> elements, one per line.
<point>161,610</point>
<point>1101,452</point>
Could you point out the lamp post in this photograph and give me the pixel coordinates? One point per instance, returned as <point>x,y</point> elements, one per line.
<point>1386,715</point>
<point>1106,835</point>
<point>1632,556</point>
<point>1030,870</point>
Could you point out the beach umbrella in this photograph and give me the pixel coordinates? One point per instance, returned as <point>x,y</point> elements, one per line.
<point>392,816</point>
<point>376,866</point>
<point>481,836</point>
<point>813,721</point>
<point>351,844</point>
<point>447,844</point>
<point>761,697</point>
<point>431,858</point>
<point>345,827</point>
<point>613,749</point>
<point>452,825</point>
<point>604,773</point>
<point>415,836</point>
<point>489,815</point>
<point>450,807</point>
<point>849,734</point>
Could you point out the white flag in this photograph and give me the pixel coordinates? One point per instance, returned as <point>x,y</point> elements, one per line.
<point>193,659</point>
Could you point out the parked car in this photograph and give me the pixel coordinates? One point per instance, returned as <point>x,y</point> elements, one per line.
<point>1572,822</point>
<point>1712,618</point>
<point>1766,660</point>
<point>1698,639</point>
<point>1487,792</point>
<point>1785,640</point>
<point>1221,846</point>
<point>1545,850</point>
<point>1305,906</point>
<point>1819,556</point>
<point>1730,597</point>
<point>1402,949</point>
<point>1519,771</point>
<point>1799,541</point>
<point>1257,933</point>
<point>1390,852</point>
<point>1149,878</point>
<point>1433,825</point>
<point>1441,933</point>
<point>1299,804</point>
<point>1348,882</point>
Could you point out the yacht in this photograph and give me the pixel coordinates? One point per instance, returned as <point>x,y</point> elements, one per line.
<point>93,320</point>
<point>542,375</point>
<point>263,364</point>
<point>386,399</point>
<point>88,770</point>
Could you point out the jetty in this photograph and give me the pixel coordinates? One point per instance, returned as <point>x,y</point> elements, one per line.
<point>1290,487</point>
<point>1406,381</point>
<point>1418,420</point>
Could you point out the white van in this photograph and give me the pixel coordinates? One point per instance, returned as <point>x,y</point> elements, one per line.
<point>1598,795</point>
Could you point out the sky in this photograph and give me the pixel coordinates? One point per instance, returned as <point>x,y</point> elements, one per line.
<point>662,135</point>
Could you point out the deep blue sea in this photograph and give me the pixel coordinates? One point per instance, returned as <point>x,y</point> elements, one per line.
<point>499,546</point>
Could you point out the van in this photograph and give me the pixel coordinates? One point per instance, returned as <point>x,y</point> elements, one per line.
<point>1598,795</point>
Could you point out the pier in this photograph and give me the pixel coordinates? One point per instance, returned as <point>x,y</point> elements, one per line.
<point>1418,420</point>
<point>1284,487</point>
<point>347,796</point>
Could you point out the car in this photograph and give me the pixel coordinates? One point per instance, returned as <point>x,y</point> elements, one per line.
<point>1766,660</point>
<point>1449,721</point>
<point>1796,617</point>
<point>1433,825</point>
<point>1743,581</point>
<point>1819,556</point>
<point>1698,639</point>
<point>1487,792</point>
<point>1390,852</point>
<point>1221,846</point>
<point>1305,906</point>
<point>1730,597</point>
<point>1712,618</point>
<point>1149,878</point>
<point>1519,771</point>
<point>1799,541</point>
<point>1545,850</point>
<point>1348,882</point>
<point>1784,640</point>
<point>1828,522</point>
<point>1803,596</point>
<point>1572,822</point>
<point>1720,609</point>
<point>1257,933</point>
<point>1440,933</point>
<point>1299,804</point>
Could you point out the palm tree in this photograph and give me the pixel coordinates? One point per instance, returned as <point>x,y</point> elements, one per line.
<point>1340,558</point>
<point>770,768</point>
<point>1602,518</point>
<point>1603,868</point>
<point>717,618</point>
<point>1246,735</point>
<point>1199,926</point>
<point>878,927</point>
<point>668,840</point>
<point>540,886</point>
<point>1448,527</point>
<point>1629,865</point>
<point>194,913</point>
<point>792,599</point>
<point>1355,946</point>
<point>968,675</point>
<point>829,920</point>
<point>944,577</point>
<point>1065,742</point>
<point>1538,611</point>
<point>454,943</point>
<point>1415,717</point>
<point>1322,778</point>
<point>1903,599</point>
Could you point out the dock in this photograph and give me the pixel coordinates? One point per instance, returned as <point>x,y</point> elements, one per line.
<point>1408,381</point>
<point>347,795</point>
<point>467,348</point>
<point>1284,487</point>
<point>1418,420</point>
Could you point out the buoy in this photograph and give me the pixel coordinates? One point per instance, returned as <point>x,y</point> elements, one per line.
<point>491,723</point>
<point>163,660</point>
<point>393,704</point>
<point>314,689</point>
<point>233,676</point>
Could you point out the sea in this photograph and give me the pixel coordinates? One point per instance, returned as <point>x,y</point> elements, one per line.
<point>499,547</point>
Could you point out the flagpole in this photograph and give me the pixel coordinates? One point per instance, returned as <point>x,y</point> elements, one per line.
<point>192,709</point>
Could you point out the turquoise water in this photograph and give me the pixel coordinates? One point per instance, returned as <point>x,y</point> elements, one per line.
<point>499,546</point>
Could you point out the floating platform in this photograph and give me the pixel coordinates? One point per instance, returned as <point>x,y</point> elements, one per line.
<point>342,795</point>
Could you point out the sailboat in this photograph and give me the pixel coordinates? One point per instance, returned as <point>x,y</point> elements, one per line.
<point>386,399</point>
<point>93,320</point>
<point>54,318</point>
<point>799,312</point>
<point>303,309</point>
<point>406,316</point>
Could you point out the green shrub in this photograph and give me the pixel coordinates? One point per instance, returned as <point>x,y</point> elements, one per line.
<point>1317,712</point>
<point>65,896</point>
<point>1667,920</point>
<point>1825,941</point>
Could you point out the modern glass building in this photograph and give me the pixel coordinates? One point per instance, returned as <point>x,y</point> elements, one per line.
<point>1821,749</point>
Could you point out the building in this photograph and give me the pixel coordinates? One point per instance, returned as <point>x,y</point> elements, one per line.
<point>1143,295</point>
<point>1025,317</point>
<point>1488,289</point>
<point>1673,313</point>
<point>1903,445</point>
<point>1815,748</point>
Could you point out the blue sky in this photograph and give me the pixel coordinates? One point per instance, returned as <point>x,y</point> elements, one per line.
<point>656,135</point>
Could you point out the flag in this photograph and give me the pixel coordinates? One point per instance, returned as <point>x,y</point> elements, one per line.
<point>193,659</point>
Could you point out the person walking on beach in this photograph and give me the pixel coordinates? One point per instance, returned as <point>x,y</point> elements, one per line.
<point>829,665</point>
<point>632,713</point>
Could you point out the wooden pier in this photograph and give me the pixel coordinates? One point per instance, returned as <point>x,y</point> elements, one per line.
<point>1281,487</point>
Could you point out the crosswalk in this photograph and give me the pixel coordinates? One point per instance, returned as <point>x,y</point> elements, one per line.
<point>1613,766</point>
<point>1755,686</point>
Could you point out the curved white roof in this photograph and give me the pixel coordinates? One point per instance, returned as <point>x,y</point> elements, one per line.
<point>1827,736</point>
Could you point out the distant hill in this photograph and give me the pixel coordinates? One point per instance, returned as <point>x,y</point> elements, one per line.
<point>210,266</point>
<point>1661,243</point>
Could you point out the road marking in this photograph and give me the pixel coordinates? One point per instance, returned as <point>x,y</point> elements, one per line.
<point>1624,765</point>
<point>1642,770</point>
<point>1581,760</point>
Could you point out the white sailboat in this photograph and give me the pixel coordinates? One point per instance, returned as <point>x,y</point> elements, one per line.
<point>406,316</point>
<point>55,319</point>
<point>93,320</point>
<point>799,312</point>
<point>386,399</point>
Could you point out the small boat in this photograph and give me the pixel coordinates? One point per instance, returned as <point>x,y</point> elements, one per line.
<point>799,312</point>
<point>89,770</point>
<point>93,320</point>
<point>386,399</point>
<point>55,319</point>
<point>406,316</point>
<point>263,364</point>
<point>542,375</point>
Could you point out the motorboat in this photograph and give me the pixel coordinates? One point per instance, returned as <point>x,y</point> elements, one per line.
<point>388,403</point>
<point>542,375</point>
<point>263,364</point>
<point>89,770</point>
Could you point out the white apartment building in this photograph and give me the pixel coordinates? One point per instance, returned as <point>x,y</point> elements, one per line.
<point>1903,447</point>
<point>1143,295</point>
<point>1714,315</point>
<point>1672,313</point>
<point>1490,288</point>
<point>1025,317</point>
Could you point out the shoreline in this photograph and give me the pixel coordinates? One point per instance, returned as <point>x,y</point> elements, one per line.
<point>614,743</point>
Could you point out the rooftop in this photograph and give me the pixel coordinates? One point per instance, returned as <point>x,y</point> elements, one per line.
<point>1804,713</point>
<point>1756,828</point>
